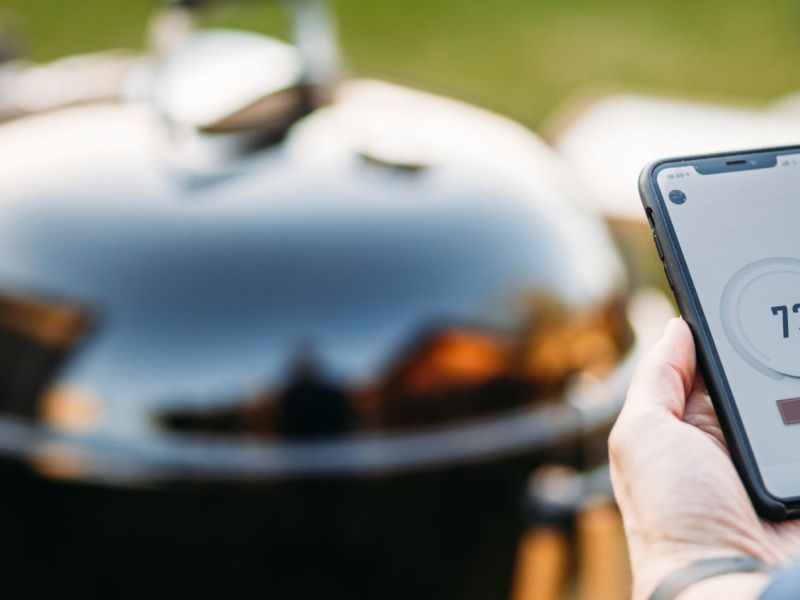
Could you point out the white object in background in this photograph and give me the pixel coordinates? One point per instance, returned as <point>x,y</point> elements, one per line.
<point>610,142</point>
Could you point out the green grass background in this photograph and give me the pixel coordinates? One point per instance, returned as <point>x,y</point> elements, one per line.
<point>521,57</point>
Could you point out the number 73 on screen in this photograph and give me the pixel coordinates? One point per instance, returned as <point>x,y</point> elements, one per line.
<point>783,312</point>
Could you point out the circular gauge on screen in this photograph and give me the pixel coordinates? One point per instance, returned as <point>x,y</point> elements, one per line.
<point>761,315</point>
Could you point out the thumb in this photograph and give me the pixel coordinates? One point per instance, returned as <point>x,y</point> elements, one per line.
<point>666,374</point>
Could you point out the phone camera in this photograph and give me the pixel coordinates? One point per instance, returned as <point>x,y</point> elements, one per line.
<point>677,197</point>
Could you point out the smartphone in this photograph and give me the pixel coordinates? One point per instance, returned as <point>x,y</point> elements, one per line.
<point>727,228</point>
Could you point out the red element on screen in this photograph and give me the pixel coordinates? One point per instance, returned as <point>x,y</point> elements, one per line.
<point>790,410</point>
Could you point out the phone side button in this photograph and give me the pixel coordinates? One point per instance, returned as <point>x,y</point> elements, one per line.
<point>658,246</point>
<point>669,278</point>
<point>650,218</point>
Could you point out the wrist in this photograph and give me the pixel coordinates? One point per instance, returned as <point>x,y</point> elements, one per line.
<point>733,586</point>
<point>655,567</point>
<point>695,575</point>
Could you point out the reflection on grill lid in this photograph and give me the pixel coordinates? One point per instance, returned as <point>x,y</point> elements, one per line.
<point>35,337</point>
<point>417,297</point>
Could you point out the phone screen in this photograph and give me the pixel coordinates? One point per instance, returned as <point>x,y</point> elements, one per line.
<point>740,237</point>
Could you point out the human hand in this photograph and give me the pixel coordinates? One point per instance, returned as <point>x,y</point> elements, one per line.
<point>680,496</point>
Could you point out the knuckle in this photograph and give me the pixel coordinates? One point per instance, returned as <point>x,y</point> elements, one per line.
<point>625,435</point>
<point>617,441</point>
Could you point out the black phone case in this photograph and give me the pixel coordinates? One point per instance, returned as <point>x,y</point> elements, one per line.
<point>709,363</point>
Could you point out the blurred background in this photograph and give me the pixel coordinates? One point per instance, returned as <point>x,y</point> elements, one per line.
<point>521,58</point>
<point>465,282</point>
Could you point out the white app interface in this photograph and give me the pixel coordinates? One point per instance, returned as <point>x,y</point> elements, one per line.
<point>740,235</point>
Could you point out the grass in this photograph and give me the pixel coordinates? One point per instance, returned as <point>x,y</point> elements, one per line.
<point>521,57</point>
